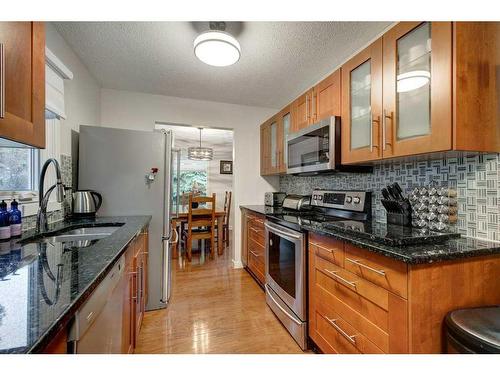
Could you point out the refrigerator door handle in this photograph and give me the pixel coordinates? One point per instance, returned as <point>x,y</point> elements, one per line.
<point>166,220</point>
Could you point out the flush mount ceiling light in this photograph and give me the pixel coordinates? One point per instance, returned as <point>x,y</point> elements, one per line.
<point>216,47</point>
<point>200,153</point>
<point>412,80</point>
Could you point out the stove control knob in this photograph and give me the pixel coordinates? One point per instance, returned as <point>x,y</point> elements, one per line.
<point>356,200</point>
<point>348,199</point>
<point>320,197</point>
<point>315,197</point>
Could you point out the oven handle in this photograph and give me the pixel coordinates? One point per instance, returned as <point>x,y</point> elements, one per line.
<point>281,308</point>
<point>282,233</point>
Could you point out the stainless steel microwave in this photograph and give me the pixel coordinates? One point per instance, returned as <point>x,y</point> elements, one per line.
<point>315,149</point>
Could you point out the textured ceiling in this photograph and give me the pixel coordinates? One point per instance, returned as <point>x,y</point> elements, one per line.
<point>279,60</point>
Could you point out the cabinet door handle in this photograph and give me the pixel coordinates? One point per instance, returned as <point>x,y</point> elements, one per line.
<point>358,263</point>
<point>254,254</point>
<point>377,121</point>
<point>2,81</point>
<point>322,247</point>
<point>350,338</point>
<point>307,106</point>
<point>384,130</point>
<point>340,278</point>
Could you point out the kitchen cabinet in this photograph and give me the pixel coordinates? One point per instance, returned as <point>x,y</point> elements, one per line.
<point>22,89</point>
<point>253,245</point>
<point>326,98</point>
<point>284,123</point>
<point>362,105</point>
<point>265,149</point>
<point>423,88</point>
<point>302,111</point>
<point>270,146</point>
<point>417,89</point>
<point>363,302</point>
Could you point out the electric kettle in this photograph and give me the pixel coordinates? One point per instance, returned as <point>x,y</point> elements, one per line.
<point>86,202</point>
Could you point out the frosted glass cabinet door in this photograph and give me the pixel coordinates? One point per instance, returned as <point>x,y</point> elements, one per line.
<point>417,88</point>
<point>362,105</point>
<point>413,83</point>
<point>286,131</point>
<point>274,144</point>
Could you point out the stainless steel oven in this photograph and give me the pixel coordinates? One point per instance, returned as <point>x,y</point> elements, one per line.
<point>286,278</point>
<point>315,149</point>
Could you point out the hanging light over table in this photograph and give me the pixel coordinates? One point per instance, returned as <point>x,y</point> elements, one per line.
<point>200,153</point>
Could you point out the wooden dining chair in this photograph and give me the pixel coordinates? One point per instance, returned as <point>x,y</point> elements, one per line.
<point>227,214</point>
<point>200,224</point>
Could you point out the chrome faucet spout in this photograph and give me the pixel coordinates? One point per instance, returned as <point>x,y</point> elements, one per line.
<point>41,222</point>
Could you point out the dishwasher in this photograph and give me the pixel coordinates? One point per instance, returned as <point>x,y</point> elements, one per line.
<point>97,325</point>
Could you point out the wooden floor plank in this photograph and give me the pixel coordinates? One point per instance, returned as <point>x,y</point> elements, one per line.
<point>214,309</point>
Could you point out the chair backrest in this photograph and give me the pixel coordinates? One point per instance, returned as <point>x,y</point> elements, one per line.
<point>195,214</point>
<point>227,207</point>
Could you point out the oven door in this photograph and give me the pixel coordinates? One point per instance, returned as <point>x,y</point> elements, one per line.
<point>285,266</point>
<point>312,149</point>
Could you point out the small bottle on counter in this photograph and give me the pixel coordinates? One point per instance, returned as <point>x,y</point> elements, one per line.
<point>4,222</point>
<point>15,219</point>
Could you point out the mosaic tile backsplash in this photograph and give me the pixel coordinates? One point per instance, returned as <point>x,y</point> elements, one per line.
<point>29,222</point>
<point>476,179</point>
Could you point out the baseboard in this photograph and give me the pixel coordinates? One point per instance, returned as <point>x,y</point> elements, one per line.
<point>237,264</point>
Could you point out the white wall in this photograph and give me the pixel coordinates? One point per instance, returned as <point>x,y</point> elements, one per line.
<point>220,183</point>
<point>81,94</point>
<point>130,110</point>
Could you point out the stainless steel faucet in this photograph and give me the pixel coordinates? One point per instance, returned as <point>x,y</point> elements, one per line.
<point>41,219</point>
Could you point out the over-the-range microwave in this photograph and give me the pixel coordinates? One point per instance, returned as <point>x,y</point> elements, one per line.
<point>316,149</point>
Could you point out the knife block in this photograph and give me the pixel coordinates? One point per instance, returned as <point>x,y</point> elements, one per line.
<point>398,212</point>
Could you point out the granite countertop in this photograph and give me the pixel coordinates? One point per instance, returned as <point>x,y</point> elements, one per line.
<point>462,247</point>
<point>43,285</point>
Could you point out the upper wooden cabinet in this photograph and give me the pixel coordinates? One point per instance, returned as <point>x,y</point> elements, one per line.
<point>417,88</point>
<point>302,111</point>
<point>317,103</point>
<point>326,97</point>
<point>22,61</point>
<point>284,128</point>
<point>362,105</point>
<point>439,92</point>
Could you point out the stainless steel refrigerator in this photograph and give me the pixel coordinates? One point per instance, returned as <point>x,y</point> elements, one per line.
<point>117,163</point>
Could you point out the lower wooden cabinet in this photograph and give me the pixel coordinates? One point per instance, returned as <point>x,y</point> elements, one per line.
<point>253,244</point>
<point>362,302</point>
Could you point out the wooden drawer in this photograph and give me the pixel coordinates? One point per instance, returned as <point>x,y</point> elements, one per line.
<point>256,232</point>
<point>256,265</point>
<point>383,271</point>
<point>255,247</point>
<point>336,278</point>
<point>342,337</point>
<point>327,248</point>
<point>378,314</point>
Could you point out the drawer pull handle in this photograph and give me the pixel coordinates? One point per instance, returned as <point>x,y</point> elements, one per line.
<point>334,274</point>
<point>351,338</point>
<point>322,247</point>
<point>254,254</point>
<point>256,230</point>
<point>357,262</point>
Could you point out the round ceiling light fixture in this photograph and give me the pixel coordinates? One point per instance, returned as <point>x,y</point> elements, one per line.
<point>217,47</point>
<point>412,80</point>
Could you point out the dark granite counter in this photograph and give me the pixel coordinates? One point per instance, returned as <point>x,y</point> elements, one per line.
<point>43,285</point>
<point>463,247</point>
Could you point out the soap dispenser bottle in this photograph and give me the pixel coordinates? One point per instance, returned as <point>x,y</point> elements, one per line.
<point>15,219</point>
<point>4,222</point>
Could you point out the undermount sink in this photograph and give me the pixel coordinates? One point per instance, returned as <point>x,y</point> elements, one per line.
<point>79,234</point>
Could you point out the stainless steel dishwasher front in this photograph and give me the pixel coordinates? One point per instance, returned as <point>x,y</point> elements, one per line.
<point>97,326</point>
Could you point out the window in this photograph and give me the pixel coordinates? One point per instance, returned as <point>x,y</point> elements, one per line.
<point>190,182</point>
<point>18,169</point>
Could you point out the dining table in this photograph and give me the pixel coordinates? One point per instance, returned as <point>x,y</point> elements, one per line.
<point>182,217</point>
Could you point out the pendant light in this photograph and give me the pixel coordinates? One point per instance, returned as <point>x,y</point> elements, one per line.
<point>200,153</point>
<point>217,47</point>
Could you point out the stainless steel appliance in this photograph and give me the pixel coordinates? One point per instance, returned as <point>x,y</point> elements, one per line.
<point>118,164</point>
<point>86,202</point>
<point>97,326</point>
<point>297,202</point>
<point>286,278</point>
<point>347,201</point>
<point>316,149</point>
<point>274,199</point>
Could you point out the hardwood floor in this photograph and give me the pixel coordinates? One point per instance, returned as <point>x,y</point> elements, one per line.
<point>214,309</point>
